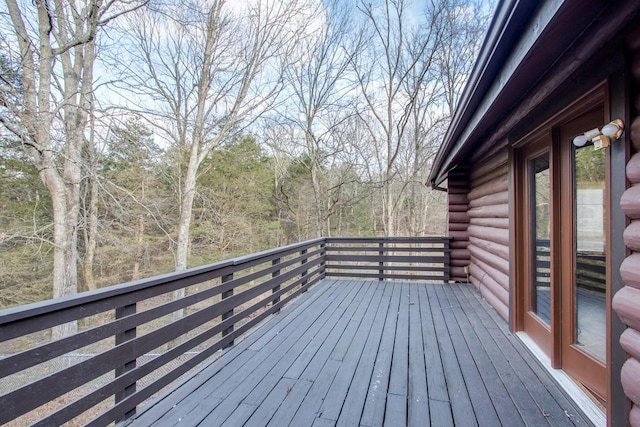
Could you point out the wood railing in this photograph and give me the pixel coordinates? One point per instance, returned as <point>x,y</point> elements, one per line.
<point>135,339</point>
<point>405,258</point>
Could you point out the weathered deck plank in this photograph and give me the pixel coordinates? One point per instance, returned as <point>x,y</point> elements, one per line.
<point>374,406</point>
<point>533,392</point>
<point>439,405</point>
<point>372,353</point>
<point>468,365</point>
<point>457,393</point>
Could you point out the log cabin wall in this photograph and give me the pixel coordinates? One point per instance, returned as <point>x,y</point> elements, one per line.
<point>626,302</point>
<point>489,226</point>
<point>458,202</point>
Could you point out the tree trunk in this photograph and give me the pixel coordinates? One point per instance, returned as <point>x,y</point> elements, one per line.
<point>184,223</point>
<point>92,234</point>
<point>57,84</point>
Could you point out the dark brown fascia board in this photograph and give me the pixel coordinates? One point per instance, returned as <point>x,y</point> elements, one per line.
<point>541,37</point>
<point>501,34</point>
<point>574,31</point>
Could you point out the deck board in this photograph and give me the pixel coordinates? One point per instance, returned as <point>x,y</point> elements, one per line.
<point>533,392</point>
<point>457,393</point>
<point>356,396</point>
<point>468,362</point>
<point>501,400</point>
<point>371,353</point>
<point>374,406</point>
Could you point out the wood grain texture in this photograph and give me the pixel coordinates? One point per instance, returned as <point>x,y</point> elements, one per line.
<point>459,244</point>
<point>633,169</point>
<point>459,255</point>
<point>490,168</point>
<point>630,202</point>
<point>630,374</point>
<point>493,248</point>
<point>458,221</point>
<point>458,226</point>
<point>495,266</point>
<point>630,271</point>
<point>631,236</point>
<point>497,235</point>
<point>492,211</point>
<point>485,279</point>
<point>626,302</point>
<point>489,229</point>
<point>490,293</point>
<point>459,217</point>
<point>457,199</point>
<point>499,198</point>
<point>490,222</point>
<point>501,183</point>
<point>630,341</point>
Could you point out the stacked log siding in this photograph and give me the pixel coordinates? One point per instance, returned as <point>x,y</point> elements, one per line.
<point>626,302</point>
<point>488,229</point>
<point>458,189</point>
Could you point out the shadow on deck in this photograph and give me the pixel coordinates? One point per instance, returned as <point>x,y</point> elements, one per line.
<point>354,352</point>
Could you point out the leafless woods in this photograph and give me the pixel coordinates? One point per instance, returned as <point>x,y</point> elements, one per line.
<point>139,137</point>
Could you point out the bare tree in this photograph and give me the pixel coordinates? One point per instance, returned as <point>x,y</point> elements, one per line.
<point>394,68</point>
<point>207,72</point>
<point>56,42</point>
<point>464,24</point>
<point>320,96</point>
<point>410,73</point>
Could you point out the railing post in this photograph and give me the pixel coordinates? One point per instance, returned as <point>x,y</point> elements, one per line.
<point>323,263</point>
<point>121,338</point>
<point>447,257</point>
<point>277,287</point>
<point>380,263</point>
<point>228,314</point>
<point>305,272</point>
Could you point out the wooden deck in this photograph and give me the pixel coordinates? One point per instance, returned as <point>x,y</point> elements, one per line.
<point>369,353</point>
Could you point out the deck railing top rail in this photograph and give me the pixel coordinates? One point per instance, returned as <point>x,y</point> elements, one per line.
<point>129,341</point>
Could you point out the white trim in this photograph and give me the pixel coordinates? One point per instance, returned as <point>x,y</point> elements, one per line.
<point>573,391</point>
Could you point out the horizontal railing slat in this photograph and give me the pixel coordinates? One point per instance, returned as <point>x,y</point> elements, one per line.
<point>386,276</point>
<point>86,371</point>
<point>36,355</point>
<point>94,302</point>
<point>120,409</point>
<point>386,258</point>
<point>437,249</point>
<point>386,267</point>
<point>141,371</point>
<point>386,240</point>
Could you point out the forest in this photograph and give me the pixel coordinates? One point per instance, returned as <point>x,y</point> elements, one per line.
<point>140,137</point>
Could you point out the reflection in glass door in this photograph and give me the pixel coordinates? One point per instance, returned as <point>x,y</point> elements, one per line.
<point>561,208</point>
<point>583,257</point>
<point>590,257</point>
<point>540,228</point>
<point>533,270</point>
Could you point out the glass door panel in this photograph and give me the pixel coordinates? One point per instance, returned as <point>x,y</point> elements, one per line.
<point>540,228</point>
<point>584,225</point>
<point>590,257</point>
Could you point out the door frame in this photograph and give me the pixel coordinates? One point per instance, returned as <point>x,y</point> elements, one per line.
<point>589,368</point>
<point>597,97</point>
<point>530,147</point>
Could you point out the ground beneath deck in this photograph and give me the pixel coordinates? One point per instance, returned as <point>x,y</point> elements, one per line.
<point>370,353</point>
